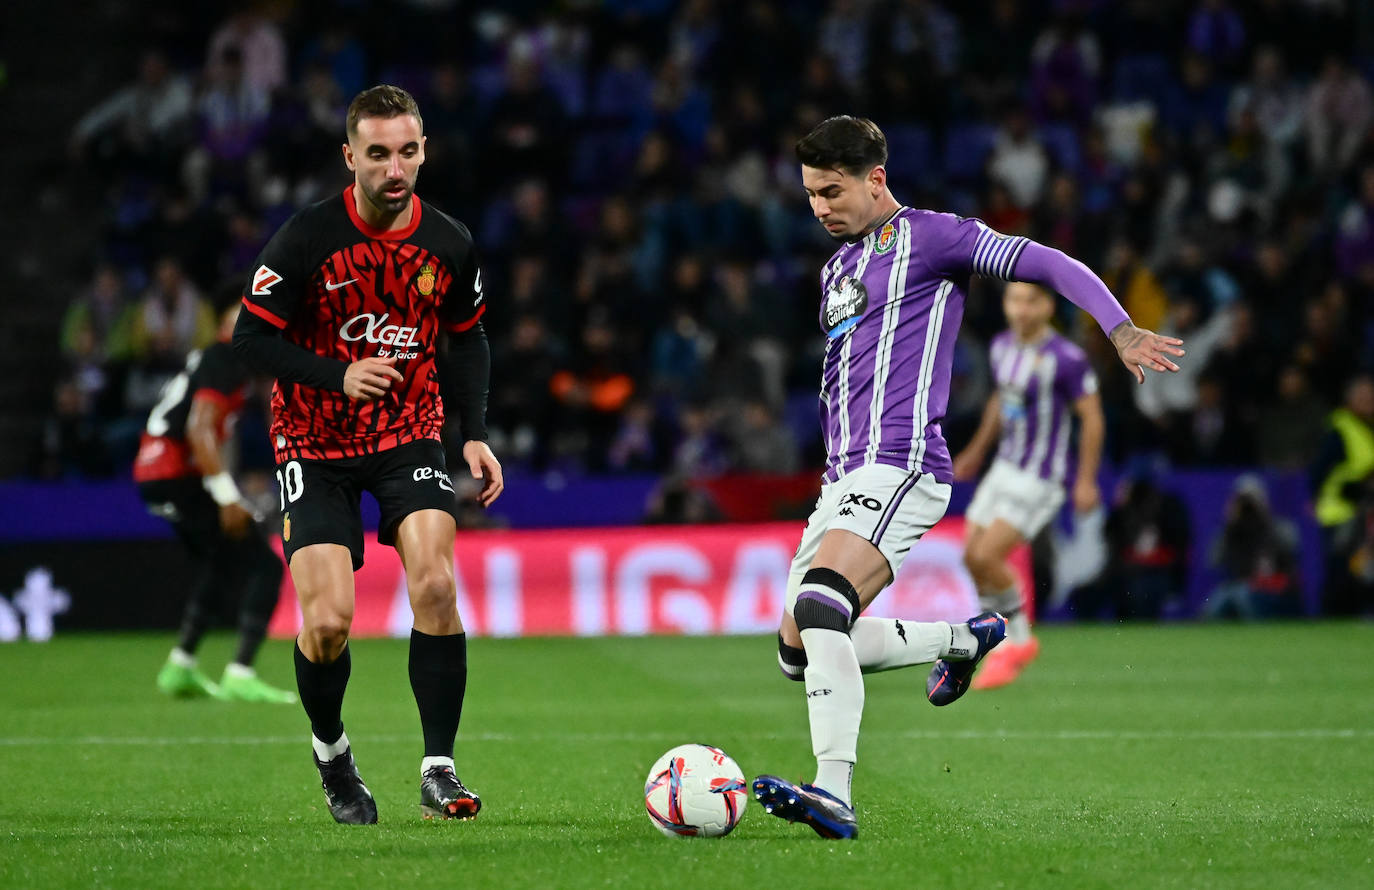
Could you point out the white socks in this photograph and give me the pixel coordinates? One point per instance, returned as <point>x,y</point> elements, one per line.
<point>883,644</point>
<point>234,669</point>
<point>181,658</point>
<point>329,752</point>
<point>835,705</point>
<point>1012,605</point>
<point>1018,629</point>
<point>427,762</point>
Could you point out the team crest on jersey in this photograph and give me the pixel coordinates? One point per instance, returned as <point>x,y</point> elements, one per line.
<point>845,304</point>
<point>424,283</point>
<point>887,237</point>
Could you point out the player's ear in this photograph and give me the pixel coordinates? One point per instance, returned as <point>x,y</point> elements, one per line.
<point>348,157</point>
<point>877,180</point>
<point>421,156</point>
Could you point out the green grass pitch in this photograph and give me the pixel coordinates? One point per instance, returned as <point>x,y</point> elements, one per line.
<point>1126,757</point>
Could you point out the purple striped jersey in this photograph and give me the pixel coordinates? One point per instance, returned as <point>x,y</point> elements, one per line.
<point>1037,385</point>
<point>891,307</point>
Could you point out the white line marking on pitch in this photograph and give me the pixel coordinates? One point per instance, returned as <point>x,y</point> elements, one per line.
<point>1011,735</point>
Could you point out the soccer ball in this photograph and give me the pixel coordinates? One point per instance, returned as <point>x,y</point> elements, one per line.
<point>695,791</point>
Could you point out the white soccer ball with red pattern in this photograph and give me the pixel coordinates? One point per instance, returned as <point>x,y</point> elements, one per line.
<point>695,791</point>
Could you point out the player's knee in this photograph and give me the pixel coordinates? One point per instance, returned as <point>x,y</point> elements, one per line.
<point>827,601</point>
<point>325,632</point>
<point>977,562</point>
<point>791,661</point>
<point>432,593</point>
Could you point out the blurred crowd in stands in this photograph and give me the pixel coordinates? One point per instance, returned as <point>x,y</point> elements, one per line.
<point>626,167</point>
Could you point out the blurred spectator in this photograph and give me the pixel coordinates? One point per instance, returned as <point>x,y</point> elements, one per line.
<point>232,115</point>
<point>843,39</point>
<point>1066,61</point>
<point>1018,160</point>
<point>1341,477</point>
<point>1291,425</point>
<point>1217,32</point>
<point>95,327</point>
<point>525,127</point>
<point>591,390</point>
<point>171,319</point>
<point>521,408</point>
<point>1277,105</point>
<point>1339,112</point>
<point>70,443</point>
<point>141,125</point>
<point>1169,399</point>
<point>1147,538</point>
<point>339,52</point>
<point>1256,553</point>
<point>761,443</point>
<point>249,37</point>
<point>1135,285</point>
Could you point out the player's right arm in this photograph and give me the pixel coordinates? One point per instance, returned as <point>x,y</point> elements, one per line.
<point>970,460</point>
<point>273,296</point>
<point>959,245</point>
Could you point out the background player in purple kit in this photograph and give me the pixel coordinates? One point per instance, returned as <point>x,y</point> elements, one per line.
<point>893,299</point>
<point>1042,379</point>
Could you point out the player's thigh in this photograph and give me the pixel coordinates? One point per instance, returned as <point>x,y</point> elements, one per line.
<point>320,505</point>
<point>865,524</point>
<point>410,479</point>
<point>996,542</point>
<point>323,577</point>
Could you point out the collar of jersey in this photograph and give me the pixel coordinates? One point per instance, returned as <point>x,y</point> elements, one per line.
<point>382,234</point>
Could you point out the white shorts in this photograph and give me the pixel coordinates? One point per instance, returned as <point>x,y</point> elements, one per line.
<point>1016,496</point>
<point>888,506</point>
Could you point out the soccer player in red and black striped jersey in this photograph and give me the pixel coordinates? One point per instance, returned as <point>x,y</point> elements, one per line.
<point>349,308</point>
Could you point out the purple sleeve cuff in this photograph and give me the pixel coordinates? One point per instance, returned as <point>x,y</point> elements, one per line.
<point>1066,275</point>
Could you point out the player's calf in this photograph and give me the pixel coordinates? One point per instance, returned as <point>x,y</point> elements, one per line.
<point>791,661</point>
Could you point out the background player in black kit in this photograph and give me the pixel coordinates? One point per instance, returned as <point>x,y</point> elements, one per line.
<point>346,310</point>
<point>182,477</point>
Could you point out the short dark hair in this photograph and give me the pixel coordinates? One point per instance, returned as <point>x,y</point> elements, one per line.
<point>853,145</point>
<point>383,100</point>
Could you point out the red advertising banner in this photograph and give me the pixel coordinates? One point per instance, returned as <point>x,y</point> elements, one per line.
<point>721,579</point>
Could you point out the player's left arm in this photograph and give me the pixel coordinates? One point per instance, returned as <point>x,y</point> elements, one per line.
<point>469,369</point>
<point>1092,432</point>
<point>1138,348</point>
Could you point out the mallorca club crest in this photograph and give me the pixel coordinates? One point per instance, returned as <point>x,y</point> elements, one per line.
<point>424,282</point>
<point>887,237</point>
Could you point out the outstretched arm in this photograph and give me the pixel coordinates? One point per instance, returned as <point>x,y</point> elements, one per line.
<point>1138,348</point>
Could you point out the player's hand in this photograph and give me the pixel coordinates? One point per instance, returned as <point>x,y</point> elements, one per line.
<point>1140,349</point>
<point>965,466</point>
<point>370,378</point>
<point>235,520</point>
<point>484,465</point>
<point>1086,495</point>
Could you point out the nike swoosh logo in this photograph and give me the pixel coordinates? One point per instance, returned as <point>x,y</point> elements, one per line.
<point>329,285</point>
<point>445,486</point>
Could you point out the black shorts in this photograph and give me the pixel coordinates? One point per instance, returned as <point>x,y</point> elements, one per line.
<point>321,498</point>
<point>194,516</point>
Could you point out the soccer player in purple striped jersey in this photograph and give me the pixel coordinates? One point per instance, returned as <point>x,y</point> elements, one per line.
<point>1043,380</point>
<point>892,298</point>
